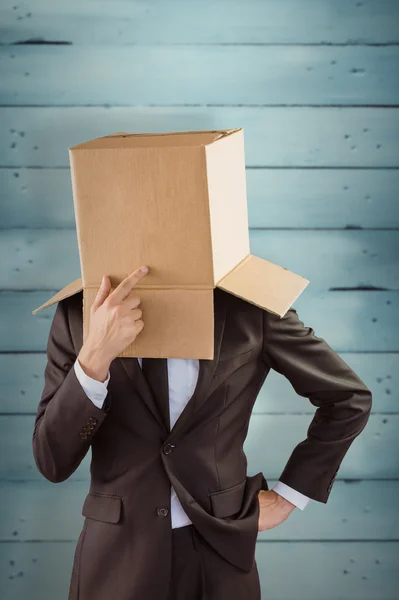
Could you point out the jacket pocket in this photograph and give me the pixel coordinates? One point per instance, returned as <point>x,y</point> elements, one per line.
<point>102,507</point>
<point>227,502</point>
<point>231,364</point>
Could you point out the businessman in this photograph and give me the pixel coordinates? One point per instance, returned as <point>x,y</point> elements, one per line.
<point>171,513</point>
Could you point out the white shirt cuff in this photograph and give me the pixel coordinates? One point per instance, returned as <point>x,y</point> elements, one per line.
<point>287,492</point>
<point>95,390</point>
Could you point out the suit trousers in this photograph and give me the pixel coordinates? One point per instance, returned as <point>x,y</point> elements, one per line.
<point>200,573</point>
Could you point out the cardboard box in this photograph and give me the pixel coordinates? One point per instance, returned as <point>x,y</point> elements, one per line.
<point>175,202</point>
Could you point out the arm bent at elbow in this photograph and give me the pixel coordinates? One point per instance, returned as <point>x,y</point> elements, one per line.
<point>342,401</point>
<point>66,418</point>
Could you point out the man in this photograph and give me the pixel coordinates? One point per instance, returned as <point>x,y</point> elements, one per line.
<point>171,513</point>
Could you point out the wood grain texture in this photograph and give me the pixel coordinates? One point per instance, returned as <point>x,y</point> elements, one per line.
<point>40,259</point>
<point>356,510</point>
<point>277,198</point>
<point>22,380</point>
<point>323,571</point>
<point>283,137</point>
<point>199,75</point>
<point>177,22</point>
<point>270,441</point>
<point>316,87</point>
<point>351,321</point>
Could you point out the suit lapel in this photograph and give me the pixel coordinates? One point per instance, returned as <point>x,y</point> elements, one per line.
<point>206,369</point>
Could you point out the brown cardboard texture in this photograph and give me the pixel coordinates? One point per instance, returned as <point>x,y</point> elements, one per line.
<point>175,202</point>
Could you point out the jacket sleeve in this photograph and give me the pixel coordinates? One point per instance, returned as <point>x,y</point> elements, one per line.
<point>66,418</point>
<point>342,401</point>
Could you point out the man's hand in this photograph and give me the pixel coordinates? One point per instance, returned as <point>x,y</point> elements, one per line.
<point>115,322</point>
<point>274,509</point>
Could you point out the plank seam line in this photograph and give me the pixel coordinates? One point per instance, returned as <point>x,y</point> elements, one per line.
<point>248,167</point>
<point>196,105</point>
<point>43,42</point>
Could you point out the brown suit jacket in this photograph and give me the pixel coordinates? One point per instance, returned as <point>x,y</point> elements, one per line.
<point>124,549</point>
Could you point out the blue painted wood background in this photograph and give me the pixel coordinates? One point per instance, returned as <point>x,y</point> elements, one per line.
<point>315,84</point>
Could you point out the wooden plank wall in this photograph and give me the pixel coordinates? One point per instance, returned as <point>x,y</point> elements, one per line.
<point>315,84</point>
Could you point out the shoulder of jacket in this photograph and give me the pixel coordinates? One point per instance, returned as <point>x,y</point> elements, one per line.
<point>72,305</point>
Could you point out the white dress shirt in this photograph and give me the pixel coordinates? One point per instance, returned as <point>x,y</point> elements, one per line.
<point>182,375</point>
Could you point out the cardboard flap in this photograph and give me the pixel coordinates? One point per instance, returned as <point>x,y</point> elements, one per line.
<point>69,290</point>
<point>265,284</point>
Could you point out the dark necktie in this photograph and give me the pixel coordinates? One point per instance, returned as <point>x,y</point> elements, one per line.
<point>155,371</point>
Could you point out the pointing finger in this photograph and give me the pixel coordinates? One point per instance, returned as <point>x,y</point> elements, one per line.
<point>127,284</point>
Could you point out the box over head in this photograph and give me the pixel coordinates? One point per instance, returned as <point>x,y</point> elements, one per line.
<point>175,202</point>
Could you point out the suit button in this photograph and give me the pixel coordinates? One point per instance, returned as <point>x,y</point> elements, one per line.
<point>168,448</point>
<point>162,512</point>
